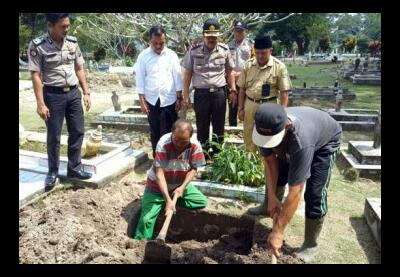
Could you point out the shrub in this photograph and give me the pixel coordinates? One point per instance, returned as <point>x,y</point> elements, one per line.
<point>234,165</point>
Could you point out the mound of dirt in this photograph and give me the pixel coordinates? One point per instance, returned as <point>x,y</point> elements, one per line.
<point>96,226</point>
<point>81,226</point>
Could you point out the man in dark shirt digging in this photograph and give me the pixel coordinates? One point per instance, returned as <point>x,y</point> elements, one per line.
<point>299,145</point>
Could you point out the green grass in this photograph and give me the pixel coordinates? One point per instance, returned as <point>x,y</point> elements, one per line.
<point>25,75</point>
<point>367,96</point>
<point>41,147</point>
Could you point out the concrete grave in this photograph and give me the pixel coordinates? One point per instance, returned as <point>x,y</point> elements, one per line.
<point>116,160</point>
<point>372,214</point>
<point>129,117</point>
<point>365,156</point>
<point>320,92</point>
<point>355,119</point>
<point>366,79</point>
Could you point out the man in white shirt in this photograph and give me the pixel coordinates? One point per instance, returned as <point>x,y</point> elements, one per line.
<point>159,84</point>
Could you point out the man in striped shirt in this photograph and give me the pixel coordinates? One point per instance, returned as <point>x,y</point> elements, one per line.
<point>177,157</point>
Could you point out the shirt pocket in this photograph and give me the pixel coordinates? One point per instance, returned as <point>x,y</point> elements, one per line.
<point>273,80</point>
<point>250,80</point>
<point>52,58</point>
<point>71,57</point>
<point>245,54</point>
<point>217,64</point>
<point>198,64</point>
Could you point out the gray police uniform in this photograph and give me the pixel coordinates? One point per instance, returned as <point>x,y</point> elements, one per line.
<point>208,78</point>
<point>61,95</point>
<point>240,54</point>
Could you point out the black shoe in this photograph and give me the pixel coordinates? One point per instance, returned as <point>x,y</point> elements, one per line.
<point>50,182</point>
<point>79,174</point>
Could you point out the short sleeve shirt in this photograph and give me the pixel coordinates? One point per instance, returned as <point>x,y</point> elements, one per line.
<point>176,165</point>
<point>253,77</point>
<point>56,65</point>
<point>208,66</point>
<point>314,131</point>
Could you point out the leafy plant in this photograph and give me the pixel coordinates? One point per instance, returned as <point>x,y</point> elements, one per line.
<point>129,61</point>
<point>234,165</point>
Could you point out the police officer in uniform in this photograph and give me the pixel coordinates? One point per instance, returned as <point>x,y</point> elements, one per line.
<point>241,49</point>
<point>56,65</point>
<point>205,66</point>
<point>263,79</point>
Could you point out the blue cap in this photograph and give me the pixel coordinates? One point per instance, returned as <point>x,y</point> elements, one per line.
<point>240,24</point>
<point>211,28</point>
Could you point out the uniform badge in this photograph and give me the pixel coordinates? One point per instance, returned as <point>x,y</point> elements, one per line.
<point>33,53</point>
<point>212,28</point>
<point>71,48</point>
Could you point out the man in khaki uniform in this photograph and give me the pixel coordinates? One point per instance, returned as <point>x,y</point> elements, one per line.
<point>56,65</point>
<point>263,79</point>
<point>205,66</point>
<point>241,49</point>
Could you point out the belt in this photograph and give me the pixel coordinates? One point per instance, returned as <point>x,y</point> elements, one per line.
<point>60,89</point>
<point>210,89</point>
<point>262,100</point>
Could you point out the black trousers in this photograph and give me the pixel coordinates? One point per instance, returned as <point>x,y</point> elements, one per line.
<point>209,108</point>
<point>161,120</point>
<point>60,105</point>
<point>315,196</point>
<point>233,110</point>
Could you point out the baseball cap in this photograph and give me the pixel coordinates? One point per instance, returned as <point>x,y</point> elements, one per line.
<point>269,125</point>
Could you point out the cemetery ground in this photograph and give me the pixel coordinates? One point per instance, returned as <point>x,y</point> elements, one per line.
<point>84,225</point>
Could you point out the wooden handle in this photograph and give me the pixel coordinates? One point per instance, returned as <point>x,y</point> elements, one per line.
<point>164,229</point>
<point>274,258</point>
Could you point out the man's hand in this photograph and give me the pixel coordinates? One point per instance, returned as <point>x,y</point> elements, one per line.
<point>186,103</point>
<point>43,111</point>
<point>179,191</point>
<point>274,206</point>
<point>144,107</point>
<point>241,115</point>
<point>87,101</point>
<point>178,105</point>
<point>233,99</point>
<point>169,207</point>
<point>275,242</point>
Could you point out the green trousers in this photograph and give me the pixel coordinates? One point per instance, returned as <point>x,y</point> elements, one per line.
<point>153,203</point>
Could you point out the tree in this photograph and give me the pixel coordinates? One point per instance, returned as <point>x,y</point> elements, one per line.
<point>294,29</point>
<point>325,44</point>
<point>183,28</point>
<point>318,29</point>
<point>31,25</point>
<point>24,37</point>
<point>372,25</point>
<point>362,44</point>
<point>116,37</point>
<point>374,47</point>
<point>349,43</point>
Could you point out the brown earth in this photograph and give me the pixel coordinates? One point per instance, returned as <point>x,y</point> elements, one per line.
<point>96,225</point>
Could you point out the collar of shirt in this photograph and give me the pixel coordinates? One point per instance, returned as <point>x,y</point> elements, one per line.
<point>268,64</point>
<point>239,44</point>
<point>163,51</point>
<point>53,43</point>
<point>208,51</point>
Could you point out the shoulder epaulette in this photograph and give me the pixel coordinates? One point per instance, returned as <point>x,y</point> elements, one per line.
<point>71,38</point>
<point>38,41</point>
